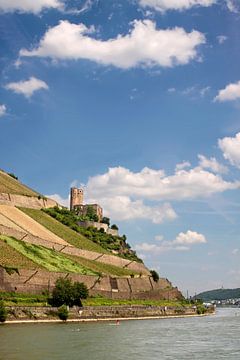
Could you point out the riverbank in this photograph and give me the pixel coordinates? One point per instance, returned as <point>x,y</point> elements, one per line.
<point>29,314</point>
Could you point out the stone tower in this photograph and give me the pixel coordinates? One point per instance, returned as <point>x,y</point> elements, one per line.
<point>76,197</point>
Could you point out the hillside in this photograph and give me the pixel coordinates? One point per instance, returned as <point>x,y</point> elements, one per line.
<point>10,185</point>
<point>219,294</point>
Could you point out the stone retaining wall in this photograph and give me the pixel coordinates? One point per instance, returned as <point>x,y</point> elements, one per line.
<point>26,201</point>
<point>98,312</point>
<point>37,281</point>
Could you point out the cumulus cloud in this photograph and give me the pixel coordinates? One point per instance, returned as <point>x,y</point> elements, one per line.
<point>233,5</point>
<point>60,200</point>
<point>230,147</point>
<point>28,87</point>
<point>212,164</point>
<point>3,110</point>
<point>229,93</point>
<point>190,238</point>
<point>143,45</point>
<point>183,165</point>
<point>164,5</point>
<point>155,185</point>
<point>31,6</point>
<point>183,242</point>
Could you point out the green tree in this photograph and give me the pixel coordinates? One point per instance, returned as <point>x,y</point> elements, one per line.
<point>91,214</point>
<point>106,220</point>
<point>114,227</point>
<point>3,312</point>
<point>65,292</point>
<point>155,275</point>
<point>63,312</point>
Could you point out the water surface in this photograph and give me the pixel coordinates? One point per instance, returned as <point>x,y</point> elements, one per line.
<point>208,338</point>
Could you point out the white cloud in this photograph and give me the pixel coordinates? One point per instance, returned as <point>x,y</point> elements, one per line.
<point>230,93</point>
<point>28,87</point>
<point>204,91</point>
<point>33,6</point>
<point>212,164</point>
<point>164,5</point>
<point>3,110</point>
<point>183,165</point>
<point>171,90</point>
<point>230,147</point>
<point>154,185</point>
<point>123,208</point>
<point>221,39</point>
<point>235,251</point>
<point>190,238</point>
<point>233,5</point>
<point>183,242</point>
<point>143,45</point>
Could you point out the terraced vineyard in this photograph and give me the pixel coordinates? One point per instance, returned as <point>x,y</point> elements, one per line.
<point>46,258</point>
<point>10,185</point>
<point>63,231</point>
<point>12,258</point>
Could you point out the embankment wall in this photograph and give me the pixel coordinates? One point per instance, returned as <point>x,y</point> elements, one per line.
<point>37,281</point>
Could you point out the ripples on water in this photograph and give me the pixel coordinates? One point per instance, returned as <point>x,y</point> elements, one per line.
<point>208,338</point>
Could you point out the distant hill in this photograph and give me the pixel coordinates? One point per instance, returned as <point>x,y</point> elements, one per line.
<point>219,294</point>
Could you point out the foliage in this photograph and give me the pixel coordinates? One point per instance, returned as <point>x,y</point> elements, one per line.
<point>201,309</point>
<point>102,301</point>
<point>3,312</point>
<point>47,258</point>
<point>106,220</point>
<point>91,214</point>
<point>10,270</point>
<point>63,312</point>
<point>13,298</point>
<point>114,227</point>
<point>68,293</point>
<point>155,275</point>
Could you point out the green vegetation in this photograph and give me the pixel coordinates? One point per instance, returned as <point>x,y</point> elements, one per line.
<point>155,275</point>
<point>115,244</point>
<point>63,231</point>
<point>10,184</point>
<point>47,258</point>
<point>11,258</point>
<point>12,298</point>
<point>68,293</point>
<point>3,312</point>
<point>219,294</point>
<point>63,313</point>
<point>101,301</point>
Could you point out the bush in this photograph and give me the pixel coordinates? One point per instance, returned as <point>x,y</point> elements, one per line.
<point>65,292</point>
<point>114,227</point>
<point>63,312</point>
<point>3,312</point>
<point>155,275</point>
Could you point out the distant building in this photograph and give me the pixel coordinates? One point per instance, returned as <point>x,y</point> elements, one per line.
<point>76,204</point>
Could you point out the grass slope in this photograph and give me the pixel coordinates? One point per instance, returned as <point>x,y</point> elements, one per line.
<point>47,258</point>
<point>63,231</point>
<point>12,186</point>
<point>12,258</point>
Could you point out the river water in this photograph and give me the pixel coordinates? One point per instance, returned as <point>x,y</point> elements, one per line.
<point>208,338</point>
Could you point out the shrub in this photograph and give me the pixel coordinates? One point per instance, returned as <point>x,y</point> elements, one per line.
<point>3,312</point>
<point>155,275</point>
<point>63,312</point>
<point>65,292</point>
<point>114,227</point>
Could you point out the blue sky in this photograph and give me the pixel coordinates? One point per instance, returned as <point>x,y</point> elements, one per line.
<point>138,101</point>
